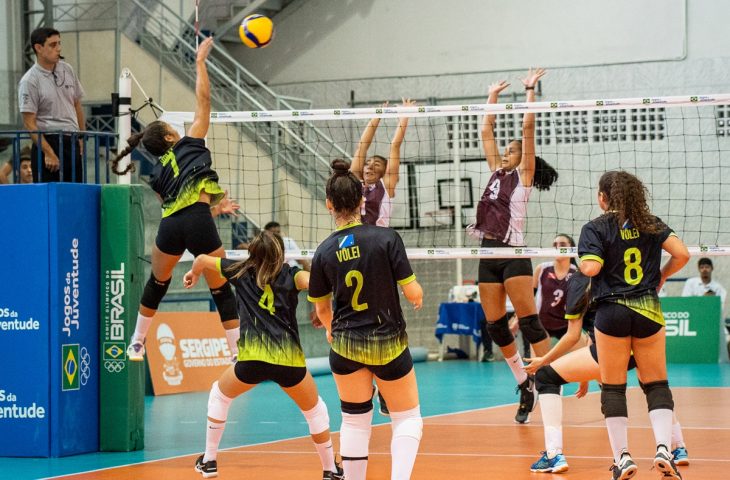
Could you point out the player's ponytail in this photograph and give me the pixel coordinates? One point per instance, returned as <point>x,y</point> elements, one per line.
<point>627,196</point>
<point>545,174</point>
<point>152,138</point>
<point>265,258</point>
<point>343,189</point>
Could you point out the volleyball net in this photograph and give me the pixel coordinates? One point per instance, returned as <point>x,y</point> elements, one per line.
<point>276,164</point>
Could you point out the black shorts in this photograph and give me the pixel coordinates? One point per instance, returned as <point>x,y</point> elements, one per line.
<point>557,332</point>
<point>254,372</point>
<point>397,368</point>
<point>620,321</point>
<point>191,228</point>
<point>500,269</point>
<point>594,354</point>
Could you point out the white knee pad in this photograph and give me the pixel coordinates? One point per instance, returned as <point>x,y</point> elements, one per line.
<point>408,423</point>
<point>317,418</point>
<point>355,435</point>
<point>218,404</point>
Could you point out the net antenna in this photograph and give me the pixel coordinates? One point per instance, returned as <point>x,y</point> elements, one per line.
<point>197,25</point>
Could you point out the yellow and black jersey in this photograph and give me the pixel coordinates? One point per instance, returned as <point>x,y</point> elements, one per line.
<point>631,263</point>
<point>182,173</point>
<point>362,266</point>
<point>269,331</point>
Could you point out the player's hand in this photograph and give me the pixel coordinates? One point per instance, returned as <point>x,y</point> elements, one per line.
<point>533,75</point>
<point>190,279</point>
<point>329,336</point>
<point>228,206</point>
<point>534,364</point>
<point>417,304</point>
<point>497,87</point>
<point>204,49</point>
<point>316,322</point>
<point>582,390</point>
<point>51,161</point>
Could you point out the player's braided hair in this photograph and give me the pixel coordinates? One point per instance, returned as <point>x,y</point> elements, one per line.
<point>153,139</point>
<point>265,258</point>
<point>343,188</point>
<point>627,198</point>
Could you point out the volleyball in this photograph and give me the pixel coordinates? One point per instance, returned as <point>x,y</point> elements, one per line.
<point>256,31</point>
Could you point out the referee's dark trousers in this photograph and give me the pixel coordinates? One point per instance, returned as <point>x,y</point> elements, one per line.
<point>70,170</point>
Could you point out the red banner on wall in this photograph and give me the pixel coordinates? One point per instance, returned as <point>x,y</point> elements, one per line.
<point>186,351</point>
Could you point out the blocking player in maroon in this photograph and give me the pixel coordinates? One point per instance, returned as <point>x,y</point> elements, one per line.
<point>550,281</point>
<point>500,222</point>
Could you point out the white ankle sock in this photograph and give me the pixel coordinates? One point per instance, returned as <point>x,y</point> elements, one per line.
<point>326,456</point>
<point>518,367</point>
<point>551,408</point>
<point>618,435</point>
<point>661,423</point>
<point>677,437</point>
<point>140,329</point>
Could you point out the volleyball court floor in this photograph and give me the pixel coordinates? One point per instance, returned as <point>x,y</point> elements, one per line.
<point>469,433</point>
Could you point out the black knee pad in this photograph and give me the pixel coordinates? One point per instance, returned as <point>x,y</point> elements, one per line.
<point>548,381</point>
<point>658,395</point>
<point>499,331</point>
<point>532,329</point>
<point>356,408</point>
<point>225,302</point>
<point>154,291</point>
<point>613,400</point>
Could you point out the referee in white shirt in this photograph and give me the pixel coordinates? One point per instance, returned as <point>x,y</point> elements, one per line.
<point>49,95</point>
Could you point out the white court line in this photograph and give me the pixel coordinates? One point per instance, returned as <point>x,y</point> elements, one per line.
<point>540,425</point>
<point>495,455</point>
<point>197,452</point>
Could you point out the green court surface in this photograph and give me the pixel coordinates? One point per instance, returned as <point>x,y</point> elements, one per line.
<point>175,425</point>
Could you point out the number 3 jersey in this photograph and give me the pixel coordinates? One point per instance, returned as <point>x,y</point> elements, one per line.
<point>268,316</point>
<point>550,297</point>
<point>361,266</point>
<point>630,260</point>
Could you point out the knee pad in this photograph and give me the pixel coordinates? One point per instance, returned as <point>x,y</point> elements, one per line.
<point>356,408</point>
<point>408,423</point>
<point>225,302</point>
<point>355,434</point>
<point>499,332</point>
<point>613,400</point>
<point>318,418</point>
<point>154,291</point>
<point>658,395</point>
<point>532,329</point>
<point>548,381</point>
<point>218,404</point>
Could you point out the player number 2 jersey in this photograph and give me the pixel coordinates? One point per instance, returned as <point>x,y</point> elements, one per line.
<point>360,267</point>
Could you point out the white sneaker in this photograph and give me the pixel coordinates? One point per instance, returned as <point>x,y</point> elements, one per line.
<point>135,352</point>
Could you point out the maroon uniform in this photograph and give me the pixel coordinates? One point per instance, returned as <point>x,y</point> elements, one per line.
<point>502,209</point>
<point>550,297</point>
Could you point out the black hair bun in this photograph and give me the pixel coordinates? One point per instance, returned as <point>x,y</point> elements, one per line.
<point>340,167</point>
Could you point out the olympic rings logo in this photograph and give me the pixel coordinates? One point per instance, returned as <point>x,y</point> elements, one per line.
<point>114,366</point>
<point>85,369</point>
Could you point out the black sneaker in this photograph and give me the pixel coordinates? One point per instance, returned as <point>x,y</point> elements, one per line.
<point>208,469</point>
<point>338,475</point>
<point>664,463</point>
<point>625,469</point>
<point>528,400</point>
